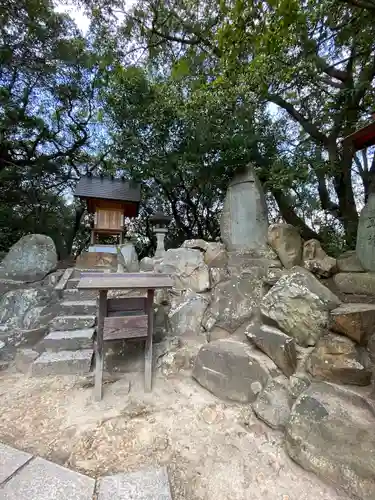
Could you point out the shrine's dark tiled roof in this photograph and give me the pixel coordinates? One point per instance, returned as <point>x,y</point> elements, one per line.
<point>108,188</point>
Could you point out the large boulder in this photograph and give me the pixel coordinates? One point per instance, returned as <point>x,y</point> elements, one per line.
<point>356,321</point>
<point>231,370</point>
<point>299,304</point>
<point>185,315</point>
<point>187,268</point>
<point>244,223</point>
<point>331,432</point>
<point>30,259</point>
<point>197,244</point>
<point>215,254</point>
<point>348,262</point>
<point>21,309</point>
<point>147,264</point>
<point>278,346</point>
<point>234,301</point>
<point>317,261</point>
<point>273,403</point>
<point>286,240</point>
<point>338,359</point>
<point>355,283</point>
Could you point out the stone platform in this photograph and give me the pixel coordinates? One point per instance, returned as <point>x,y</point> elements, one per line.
<point>23,476</point>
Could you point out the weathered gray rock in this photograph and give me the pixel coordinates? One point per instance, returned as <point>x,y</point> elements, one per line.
<point>371,349</point>
<point>348,262</point>
<point>356,321</point>
<point>23,308</point>
<point>187,268</point>
<point>273,403</point>
<point>177,357</point>
<point>147,264</point>
<point>185,316</point>
<point>358,283</point>
<point>230,370</point>
<point>234,301</point>
<point>278,346</point>
<point>217,333</point>
<point>273,275</point>
<point>218,274</point>
<point>241,262</point>
<point>197,244</point>
<point>244,223</point>
<point>298,383</point>
<point>365,247</point>
<point>331,432</point>
<point>317,261</point>
<point>216,255</point>
<point>127,258</point>
<point>30,259</point>
<point>299,304</point>
<point>286,240</point>
<point>24,359</point>
<point>338,359</point>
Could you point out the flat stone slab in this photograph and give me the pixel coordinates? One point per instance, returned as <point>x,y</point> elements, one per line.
<point>72,322</point>
<point>73,294</point>
<point>69,340</point>
<point>147,484</point>
<point>10,461</point>
<point>43,480</point>
<point>79,306</point>
<point>62,363</point>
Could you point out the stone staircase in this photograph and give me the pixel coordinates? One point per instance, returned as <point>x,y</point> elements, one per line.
<point>68,347</point>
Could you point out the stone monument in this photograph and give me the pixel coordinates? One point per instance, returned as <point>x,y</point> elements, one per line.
<point>244,222</point>
<point>366,235</point>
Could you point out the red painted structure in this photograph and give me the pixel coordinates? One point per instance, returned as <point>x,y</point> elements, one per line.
<point>362,138</point>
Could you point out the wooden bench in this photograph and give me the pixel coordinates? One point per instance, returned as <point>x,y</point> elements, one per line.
<point>124,318</point>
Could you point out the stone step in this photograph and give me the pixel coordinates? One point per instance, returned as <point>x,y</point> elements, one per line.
<point>68,340</point>
<point>72,284</point>
<point>75,295</point>
<point>146,484</point>
<point>62,363</point>
<point>78,307</point>
<point>72,322</point>
<point>77,272</point>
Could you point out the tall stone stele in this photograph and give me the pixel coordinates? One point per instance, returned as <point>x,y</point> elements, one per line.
<point>365,248</point>
<point>244,221</point>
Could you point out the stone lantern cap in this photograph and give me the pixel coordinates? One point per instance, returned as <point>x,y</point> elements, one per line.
<point>160,220</point>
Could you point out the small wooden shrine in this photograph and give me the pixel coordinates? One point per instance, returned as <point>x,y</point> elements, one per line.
<point>110,200</point>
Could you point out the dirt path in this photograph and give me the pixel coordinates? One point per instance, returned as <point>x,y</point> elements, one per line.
<point>213,450</point>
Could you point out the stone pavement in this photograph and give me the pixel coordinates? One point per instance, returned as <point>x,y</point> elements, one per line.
<point>23,476</point>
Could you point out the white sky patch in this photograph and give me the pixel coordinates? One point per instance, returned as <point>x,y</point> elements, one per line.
<point>76,13</point>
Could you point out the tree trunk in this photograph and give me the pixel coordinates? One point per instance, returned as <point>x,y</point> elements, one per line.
<point>342,165</point>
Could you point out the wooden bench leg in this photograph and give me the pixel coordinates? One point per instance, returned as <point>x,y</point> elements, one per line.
<point>99,359</point>
<point>150,331</point>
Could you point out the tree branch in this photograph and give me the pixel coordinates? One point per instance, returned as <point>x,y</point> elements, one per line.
<point>307,125</point>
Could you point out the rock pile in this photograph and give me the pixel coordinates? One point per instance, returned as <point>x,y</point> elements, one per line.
<point>273,335</point>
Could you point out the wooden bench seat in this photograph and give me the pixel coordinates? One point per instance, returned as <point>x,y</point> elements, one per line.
<point>125,327</point>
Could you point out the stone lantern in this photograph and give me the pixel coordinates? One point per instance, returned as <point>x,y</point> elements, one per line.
<point>160,223</point>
